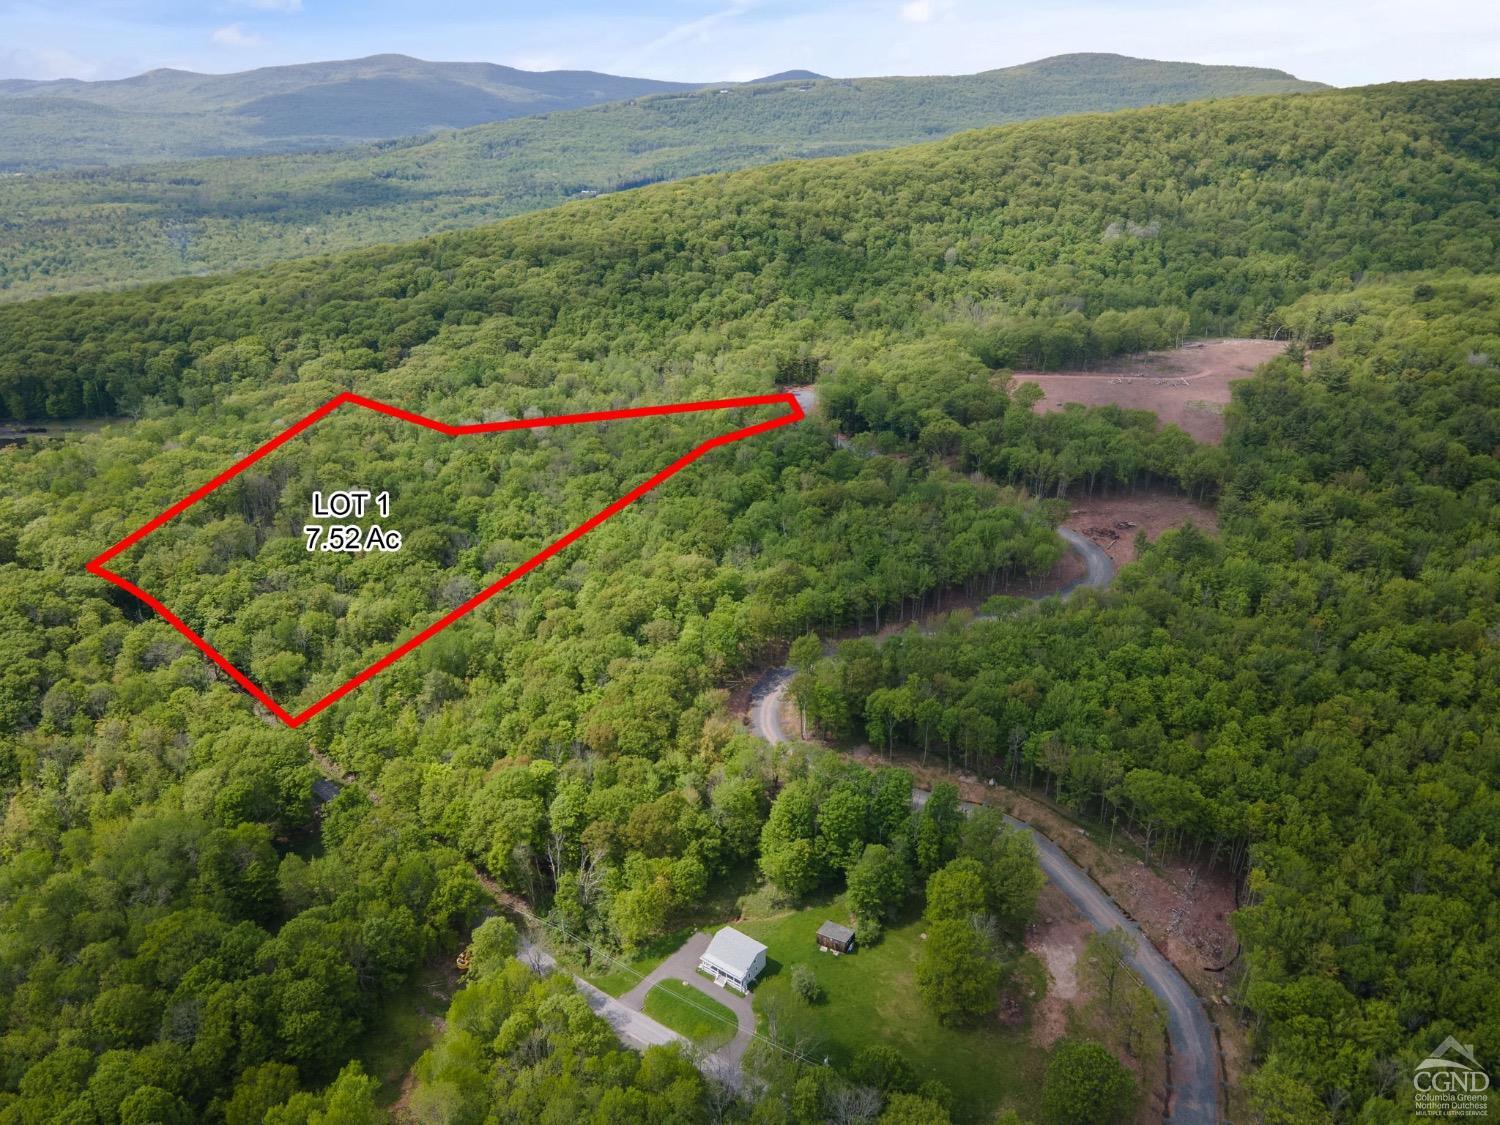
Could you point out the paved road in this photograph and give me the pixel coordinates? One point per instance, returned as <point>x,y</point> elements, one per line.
<point>634,1028</point>
<point>683,966</point>
<point>1194,1080</point>
<point>631,1026</point>
<point>637,1030</point>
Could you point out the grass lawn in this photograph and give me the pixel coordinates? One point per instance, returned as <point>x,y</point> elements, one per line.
<point>688,1012</point>
<point>617,974</point>
<point>871,997</point>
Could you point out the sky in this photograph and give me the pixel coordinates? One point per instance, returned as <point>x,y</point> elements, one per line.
<point>1341,42</point>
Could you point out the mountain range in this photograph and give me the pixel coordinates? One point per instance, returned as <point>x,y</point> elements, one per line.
<point>175,114</point>
<point>1295,695</point>
<point>148,221</point>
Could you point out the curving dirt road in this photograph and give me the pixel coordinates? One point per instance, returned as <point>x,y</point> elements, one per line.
<point>1101,568</point>
<point>1193,1082</point>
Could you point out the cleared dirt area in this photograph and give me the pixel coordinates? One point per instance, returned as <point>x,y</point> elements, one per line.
<point>1183,906</point>
<point>1188,386</point>
<point>1056,937</point>
<point>1114,521</point>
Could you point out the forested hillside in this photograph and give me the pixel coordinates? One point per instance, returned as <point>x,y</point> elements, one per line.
<point>1314,695</point>
<point>1310,699</point>
<point>1050,244</point>
<point>177,114</point>
<point>89,230</point>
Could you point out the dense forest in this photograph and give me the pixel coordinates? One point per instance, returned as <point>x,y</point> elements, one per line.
<point>1313,695</point>
<point>93,228</point>
<point>1026,244</point>
<point>1310,698</point>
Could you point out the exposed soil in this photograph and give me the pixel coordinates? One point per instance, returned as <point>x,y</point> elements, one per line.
<point>1113,521</point>
<point>1182,906</point>
<point>1068,570</point>
<point>1188,386</point>
<point>440,979</point>
<point>1056,937</point>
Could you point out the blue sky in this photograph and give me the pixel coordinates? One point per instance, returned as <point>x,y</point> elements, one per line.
<point>1344,42</point>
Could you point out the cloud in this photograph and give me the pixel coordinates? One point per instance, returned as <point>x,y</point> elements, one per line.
<point>925,11</point>
<point>542,60</point>
<point>697,31</point>
<point>1340,41</point>
<point>236,35</point>
<point>45,64</point>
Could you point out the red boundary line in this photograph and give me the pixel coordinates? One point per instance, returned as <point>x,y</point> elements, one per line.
<point>96,565</point>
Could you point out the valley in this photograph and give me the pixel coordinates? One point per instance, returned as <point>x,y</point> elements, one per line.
<point>1066,745</point>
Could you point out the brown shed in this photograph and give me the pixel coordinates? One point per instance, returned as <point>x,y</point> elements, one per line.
<point>836,938</point>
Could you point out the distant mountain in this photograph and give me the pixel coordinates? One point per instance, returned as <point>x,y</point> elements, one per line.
<point>788,76</point>
<point>173,114</point>
<point>67,231</point>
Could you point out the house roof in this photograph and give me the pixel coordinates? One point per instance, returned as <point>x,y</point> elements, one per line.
<point>834,932</point>
<point>324,790</point>
<point>733,950</point>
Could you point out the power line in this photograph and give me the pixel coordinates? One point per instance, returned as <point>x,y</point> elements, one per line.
<point>514,903</point>
<point>640,979</point>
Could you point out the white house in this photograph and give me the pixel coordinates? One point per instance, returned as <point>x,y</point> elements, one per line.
<point>733,959</point>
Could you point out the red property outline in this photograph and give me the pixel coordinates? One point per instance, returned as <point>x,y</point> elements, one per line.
<point>96,566</point>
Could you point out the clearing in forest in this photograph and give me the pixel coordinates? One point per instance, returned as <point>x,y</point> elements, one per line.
<point>1114,521</point>
<point>1186,386</point>
<point>870,997</point>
